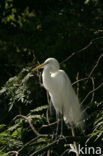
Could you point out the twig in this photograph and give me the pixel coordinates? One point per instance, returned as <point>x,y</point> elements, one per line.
<point>74,142</point>
<point>58,141</point>
<point>37,143</point>
<point>34,139</point>
<point>91,72</point>
<point>45,136</point>
<point>15,152</point>
<point>77,78</point>
<point>78,51</point>
<point>92,92</point>
<point>64,152</point>
<point>48,152</point>
<point>86,78</point>
<point>47,116</point>
<point>93,84</point>
<point>43,149</point>
<point>29,122</point>
<point>95,65</point>
<point>84,110</point>
<point>38,72</point>
<point>49,125</point>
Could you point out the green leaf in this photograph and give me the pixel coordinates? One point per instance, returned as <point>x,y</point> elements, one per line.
<point>38,109</point>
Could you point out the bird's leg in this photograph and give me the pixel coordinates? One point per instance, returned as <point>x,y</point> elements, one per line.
<point>61,133</point>
<point>57,128</point>
<point>55,136</point>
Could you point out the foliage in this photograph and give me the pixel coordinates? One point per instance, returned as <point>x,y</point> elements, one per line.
<point>31,31</point>
<point>97,133</point>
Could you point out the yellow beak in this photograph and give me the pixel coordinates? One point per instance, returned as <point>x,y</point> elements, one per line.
<point>38,67</point>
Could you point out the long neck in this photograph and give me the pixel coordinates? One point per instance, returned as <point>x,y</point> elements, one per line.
<point>47,79</point>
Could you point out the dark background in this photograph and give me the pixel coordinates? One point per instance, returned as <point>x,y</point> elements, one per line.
<point>32,31</point>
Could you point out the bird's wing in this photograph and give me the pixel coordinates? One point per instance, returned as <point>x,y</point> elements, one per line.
<point>60,85</point>
<point>58,89</point>
<point>63,82</point>
<point>68,98</point>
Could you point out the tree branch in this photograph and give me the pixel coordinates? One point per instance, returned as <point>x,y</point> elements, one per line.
<point>49,125</point>
<point>93,84</point>
<point>15,152</point>
<point>29,122</point>
<point>95,65</point>
<point>92,92</point>
<point>84,48</point>
<point>91,72</point>
<point>59,141</point>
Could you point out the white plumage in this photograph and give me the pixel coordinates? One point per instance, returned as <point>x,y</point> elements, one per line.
<point>60,89</point>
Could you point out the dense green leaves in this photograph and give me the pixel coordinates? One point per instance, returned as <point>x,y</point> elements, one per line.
<point>35,30</point>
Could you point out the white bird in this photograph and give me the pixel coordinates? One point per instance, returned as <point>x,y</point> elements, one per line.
<point>63,97</point>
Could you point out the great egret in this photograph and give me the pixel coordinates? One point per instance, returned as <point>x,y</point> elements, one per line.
<point>61,92</point>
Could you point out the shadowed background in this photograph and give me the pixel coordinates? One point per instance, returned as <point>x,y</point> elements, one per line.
<point>32,31</point>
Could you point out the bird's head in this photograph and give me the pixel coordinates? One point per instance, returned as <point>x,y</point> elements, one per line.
<point>51,63</point>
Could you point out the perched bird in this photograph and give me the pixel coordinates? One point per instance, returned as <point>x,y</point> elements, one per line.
<point>61,92</point>
<point>63,97</point>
